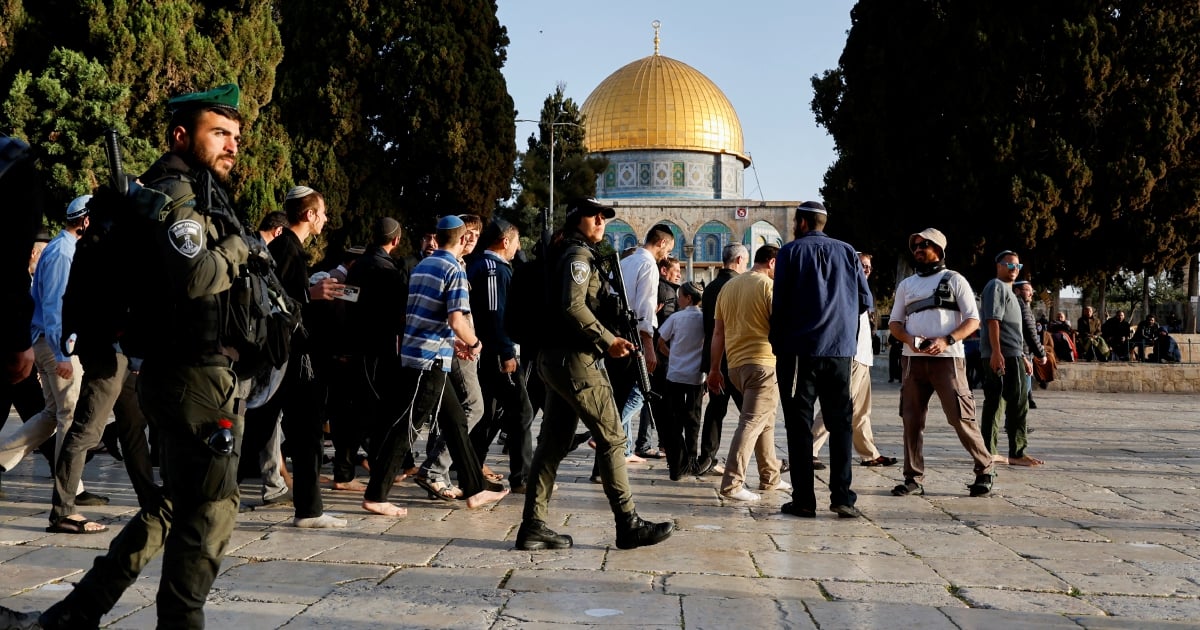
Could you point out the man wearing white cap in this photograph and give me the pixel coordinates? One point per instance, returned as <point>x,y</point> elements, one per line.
<point>933,312</point>
<point>60,374</point>
<point>300,401</point>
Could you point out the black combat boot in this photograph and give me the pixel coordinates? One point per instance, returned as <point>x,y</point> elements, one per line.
<point>633,532</point>
<point>535,535</point>
<point>983,485</point>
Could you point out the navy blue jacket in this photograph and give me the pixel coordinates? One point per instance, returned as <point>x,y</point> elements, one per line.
<point>819,292</point>
<point>490,276</point>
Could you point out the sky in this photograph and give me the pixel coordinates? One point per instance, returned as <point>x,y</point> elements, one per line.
<point>760,53</point>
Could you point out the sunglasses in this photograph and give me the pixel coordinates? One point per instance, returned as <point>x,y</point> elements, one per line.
<point>922,245</point>
<point>1011,266</point>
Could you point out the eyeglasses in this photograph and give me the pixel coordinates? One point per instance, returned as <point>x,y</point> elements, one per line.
<point>922,245</point>
<point>1011,266</point>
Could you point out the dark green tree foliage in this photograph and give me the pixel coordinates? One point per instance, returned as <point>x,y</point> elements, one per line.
<point>575,171</point>
<point>1065,130</point>
<point>100,63</point>
<point>65,110</point>
<point>443,115</point>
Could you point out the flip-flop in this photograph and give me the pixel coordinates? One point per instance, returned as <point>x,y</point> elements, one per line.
<point>72,526</point>
<point>438,489</point>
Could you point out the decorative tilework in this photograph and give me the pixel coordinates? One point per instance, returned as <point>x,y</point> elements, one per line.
<point>662,174</point>
<point>610,176</point>
<point>627,177</point>
<point>643,174</point>
<point>677,174</point>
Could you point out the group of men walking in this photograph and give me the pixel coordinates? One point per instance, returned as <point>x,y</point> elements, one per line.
<point>434,342</point>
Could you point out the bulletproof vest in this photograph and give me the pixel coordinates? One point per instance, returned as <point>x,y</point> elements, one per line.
<point>192,326</point>
<point>562,333</point>
<point>943,297</point>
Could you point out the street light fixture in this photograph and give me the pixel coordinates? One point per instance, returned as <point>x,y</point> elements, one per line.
<point>548,212</point>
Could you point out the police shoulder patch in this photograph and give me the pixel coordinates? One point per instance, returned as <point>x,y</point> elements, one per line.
<point>580,271</point>
<point>187,237</point>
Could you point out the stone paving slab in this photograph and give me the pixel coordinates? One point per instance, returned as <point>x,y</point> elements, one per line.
<point>1104,536</point>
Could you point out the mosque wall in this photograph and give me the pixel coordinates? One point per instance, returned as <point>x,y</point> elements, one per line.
<point>706,225</point>
<point>671,174</point>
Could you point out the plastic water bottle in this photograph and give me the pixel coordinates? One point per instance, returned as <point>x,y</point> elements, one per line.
<point>221,441</point>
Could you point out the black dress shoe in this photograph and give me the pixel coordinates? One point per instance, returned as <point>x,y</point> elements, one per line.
<point>534,535</point>
<point>633,532</point>
<point>845,511</point>
<point>795,510</point>
<point>89,499</point>
<point>817,465</point>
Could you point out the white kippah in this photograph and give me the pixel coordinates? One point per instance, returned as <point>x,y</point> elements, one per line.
<point>298,192</point>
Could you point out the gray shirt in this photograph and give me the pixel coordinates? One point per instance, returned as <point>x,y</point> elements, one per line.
<point>997,301</point>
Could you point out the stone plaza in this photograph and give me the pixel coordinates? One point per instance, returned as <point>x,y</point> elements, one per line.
<point>1103,536</point>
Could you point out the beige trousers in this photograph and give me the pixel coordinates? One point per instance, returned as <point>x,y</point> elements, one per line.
<point>860,396</point>
<point>755,431</point>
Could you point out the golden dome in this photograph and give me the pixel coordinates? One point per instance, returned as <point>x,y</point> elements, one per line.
<point>660,103</point>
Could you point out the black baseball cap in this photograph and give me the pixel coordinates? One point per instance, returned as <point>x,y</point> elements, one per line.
<point>580,207</point>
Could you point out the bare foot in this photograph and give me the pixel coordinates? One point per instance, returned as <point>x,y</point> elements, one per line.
<point>385,509</point>
<point>1025,460</point>
<point>481,499</point>
<point>635,459</point>
<point>353,485</point>
<point>491,476</point>
<point>999,459</point>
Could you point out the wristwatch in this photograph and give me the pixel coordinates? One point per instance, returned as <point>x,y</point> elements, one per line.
<point>950,340</point>
<point>478,344</point>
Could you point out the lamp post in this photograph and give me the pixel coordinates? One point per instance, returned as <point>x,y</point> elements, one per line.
<point>548,212</point>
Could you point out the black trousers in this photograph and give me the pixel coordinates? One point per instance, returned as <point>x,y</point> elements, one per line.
<point>417,396</point>
<point>506,406</point>
<point>714,417</point>
<point>802,381</point>
<point>301,400</point>
<point>679,430</point>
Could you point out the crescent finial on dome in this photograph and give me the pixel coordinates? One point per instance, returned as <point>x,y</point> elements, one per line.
<point>656,24</point>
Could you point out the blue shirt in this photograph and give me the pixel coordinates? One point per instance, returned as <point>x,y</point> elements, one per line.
<point>49,285</point>
<point>819,291</point>
<point>436,288</point>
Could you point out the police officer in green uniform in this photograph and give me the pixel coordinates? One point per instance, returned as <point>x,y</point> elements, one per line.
<point>187,385</point>
<point>578,387</point>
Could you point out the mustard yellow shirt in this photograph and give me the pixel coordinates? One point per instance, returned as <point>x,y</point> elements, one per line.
<point>744,306</point>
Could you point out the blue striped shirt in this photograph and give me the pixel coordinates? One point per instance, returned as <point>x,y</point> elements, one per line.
<point>436,288</point>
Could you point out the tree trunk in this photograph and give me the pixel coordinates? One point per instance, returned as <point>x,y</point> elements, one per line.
<point>1193,285</point>
<point>1145,294</point>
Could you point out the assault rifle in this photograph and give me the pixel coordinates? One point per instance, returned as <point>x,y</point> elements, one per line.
<point>627,325</point>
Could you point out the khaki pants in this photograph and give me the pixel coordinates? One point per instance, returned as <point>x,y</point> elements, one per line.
<point>948,377</point>
<point>61,396</point>
<point>755,432</point>
<point>860,396</point>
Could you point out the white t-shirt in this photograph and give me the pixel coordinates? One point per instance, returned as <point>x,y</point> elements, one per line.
<point>684,333</point>
<point>934,322</point>
<point>640,272</point>
<point>865,353</point>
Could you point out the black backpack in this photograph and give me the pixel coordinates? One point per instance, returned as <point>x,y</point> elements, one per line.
<point>113,280</point>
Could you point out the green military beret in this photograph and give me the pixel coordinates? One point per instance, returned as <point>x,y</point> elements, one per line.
<point>221,96</point>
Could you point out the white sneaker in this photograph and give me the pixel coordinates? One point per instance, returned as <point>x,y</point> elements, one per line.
<point>743,495</point>
<point>783,486</point>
